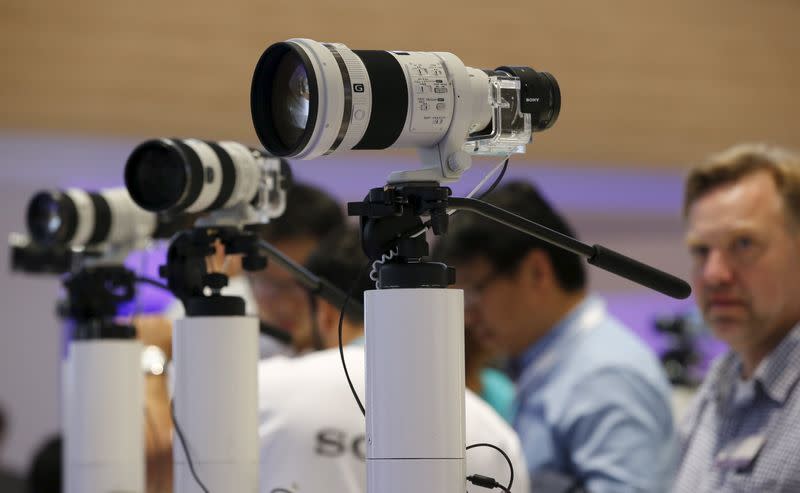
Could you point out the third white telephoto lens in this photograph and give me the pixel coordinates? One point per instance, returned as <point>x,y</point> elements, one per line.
<point>79,218</point>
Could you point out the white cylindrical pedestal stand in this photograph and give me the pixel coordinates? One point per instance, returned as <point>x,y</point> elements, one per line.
<point>216,403</point>
<point>103,417</point>
<point>415,391</point>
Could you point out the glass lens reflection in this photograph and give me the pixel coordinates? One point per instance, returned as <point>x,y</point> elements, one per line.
<point>44,219</point>
<point>290,99</point>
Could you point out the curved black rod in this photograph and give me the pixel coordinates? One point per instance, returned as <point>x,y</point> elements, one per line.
<point>597,255</point>
<point>317,285</point>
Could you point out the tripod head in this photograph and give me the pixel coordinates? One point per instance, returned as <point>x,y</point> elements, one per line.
<point>391,221</point>
<point>390,218</point>
<point>189,278</point>
<point>93,295</point>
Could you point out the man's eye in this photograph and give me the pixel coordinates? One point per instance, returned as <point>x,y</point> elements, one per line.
<point>743,243</point>
<point>698,251</point>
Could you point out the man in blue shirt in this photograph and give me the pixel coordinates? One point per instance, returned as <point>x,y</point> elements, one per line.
<point>743,231</point>
<point>592,406</point>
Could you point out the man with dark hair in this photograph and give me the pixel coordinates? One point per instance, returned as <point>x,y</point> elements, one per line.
<point>310,216</point>
<point>592,406</point>
<point>312,434</point>
<point>742,211</point>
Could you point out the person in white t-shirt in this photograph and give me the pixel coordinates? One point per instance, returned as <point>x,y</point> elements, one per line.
<point>272,294</point>
<point>312,434</point>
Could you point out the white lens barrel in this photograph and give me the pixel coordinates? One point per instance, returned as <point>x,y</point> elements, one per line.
<point>129,223</point>
<point>370,99</point>
<point>357,93</point>
<point>193,176</point>
<point>85,220</point>
<point>480,99</point>
<point>430,98</point>
<point>108,217</point>
<point>212,174</point>
<point>247,169</point>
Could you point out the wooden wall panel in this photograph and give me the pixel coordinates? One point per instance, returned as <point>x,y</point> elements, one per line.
<point>643,82</point>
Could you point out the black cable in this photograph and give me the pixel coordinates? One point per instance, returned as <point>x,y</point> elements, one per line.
<point>185,448</point>
<point>508,460</point>
<point>152,282</point>
<point>496,181</point>
<point>341,345</point>
<point>494,184</point>
<point>486,482</point>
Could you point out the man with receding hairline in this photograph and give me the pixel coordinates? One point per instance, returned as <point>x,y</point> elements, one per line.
<point>742,210</point>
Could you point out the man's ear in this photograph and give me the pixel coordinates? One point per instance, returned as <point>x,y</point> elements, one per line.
<point>536,270</point>
<point>327,318</point>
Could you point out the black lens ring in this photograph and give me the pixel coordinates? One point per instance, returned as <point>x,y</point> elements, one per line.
<point>555,95</point>
<point>228,177</point>
<point>192,175</point>
<point>69,218</point>
<point>102,219</point>
<point>196,174</point>
<point>261,99</point>
<point>389,99</point>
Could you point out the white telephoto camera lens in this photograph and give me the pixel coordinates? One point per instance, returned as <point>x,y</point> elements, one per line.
<point>191,175</point>
<point>310,99</point>
<point>77,218</point>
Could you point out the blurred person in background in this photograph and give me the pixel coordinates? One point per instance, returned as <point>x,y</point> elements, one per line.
<point>742,212</point>
<point>311,214</point>
<point>272,293</point>
<point>592,407</point>
<point>279,300</point>
<point>45,473</point>
<point>483,379</point>
<point>9,482</point>
<point>313,437</point>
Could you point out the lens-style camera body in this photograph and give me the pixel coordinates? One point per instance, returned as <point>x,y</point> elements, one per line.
<point>310,99</point>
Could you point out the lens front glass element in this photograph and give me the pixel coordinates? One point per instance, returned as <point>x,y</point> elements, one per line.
<point>290,99</point>
<point>44,218</point>
<point>156,177</point>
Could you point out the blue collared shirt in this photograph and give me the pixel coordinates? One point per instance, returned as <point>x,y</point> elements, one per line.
<point>593,408</point>
<point>744,435</point>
